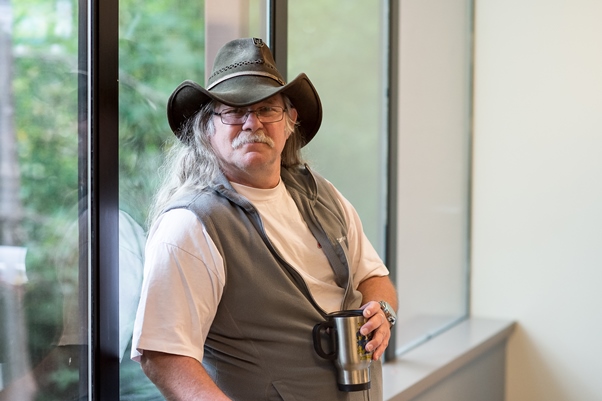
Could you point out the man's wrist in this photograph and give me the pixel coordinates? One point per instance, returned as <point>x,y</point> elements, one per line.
<point>389,312</point>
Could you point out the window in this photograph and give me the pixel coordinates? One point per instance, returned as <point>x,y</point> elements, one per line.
<point>161,43</point>
<point>342,50</point>
<point>433,175</point>
<point>83,87</point>
<point>44,203</point>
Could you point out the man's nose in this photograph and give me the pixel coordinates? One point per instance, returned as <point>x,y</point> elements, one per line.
<point>252,118</point>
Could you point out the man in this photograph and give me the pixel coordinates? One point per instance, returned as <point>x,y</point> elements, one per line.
<point>249,249</point>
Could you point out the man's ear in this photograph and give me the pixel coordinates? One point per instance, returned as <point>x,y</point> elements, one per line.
<point>293,115</point>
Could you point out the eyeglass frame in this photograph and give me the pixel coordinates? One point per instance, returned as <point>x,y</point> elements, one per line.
<point>249,112</point>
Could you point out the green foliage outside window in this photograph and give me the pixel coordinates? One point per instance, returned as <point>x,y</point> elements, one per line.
<point>161,43</point>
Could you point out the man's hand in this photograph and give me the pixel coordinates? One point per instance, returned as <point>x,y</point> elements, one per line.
<point>373,290</point>
<point>380,328</point>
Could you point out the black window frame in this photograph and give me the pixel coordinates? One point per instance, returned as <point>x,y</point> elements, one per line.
<point>104,198</point>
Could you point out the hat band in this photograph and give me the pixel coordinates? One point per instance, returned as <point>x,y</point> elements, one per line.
<point>238,74</point>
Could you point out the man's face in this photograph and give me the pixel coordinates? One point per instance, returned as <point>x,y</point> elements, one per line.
<point>250,152</point>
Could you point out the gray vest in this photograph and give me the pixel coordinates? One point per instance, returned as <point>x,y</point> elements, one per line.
<point>260,345</point>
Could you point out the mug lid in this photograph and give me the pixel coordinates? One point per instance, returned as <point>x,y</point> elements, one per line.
<point>347,313</point>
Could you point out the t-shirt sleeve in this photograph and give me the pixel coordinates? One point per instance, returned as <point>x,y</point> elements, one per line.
<point>182,287</point>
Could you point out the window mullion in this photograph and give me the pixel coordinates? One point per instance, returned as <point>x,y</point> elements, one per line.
<point>105,200</point>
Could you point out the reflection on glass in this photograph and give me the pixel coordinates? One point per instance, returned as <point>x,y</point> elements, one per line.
<point>43,175</point>
<point>161,44</point>
<point>339,45</point>
<point>434,159</point>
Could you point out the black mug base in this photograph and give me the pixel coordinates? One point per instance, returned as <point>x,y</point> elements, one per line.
<point>354,387</point>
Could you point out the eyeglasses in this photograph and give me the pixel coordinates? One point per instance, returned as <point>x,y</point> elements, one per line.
<point>265,114</point>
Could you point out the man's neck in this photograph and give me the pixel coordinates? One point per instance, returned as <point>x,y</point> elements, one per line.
<point>256,179</point>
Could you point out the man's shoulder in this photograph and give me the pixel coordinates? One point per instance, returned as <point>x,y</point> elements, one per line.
<point>213,206</point>
<point>191,200</point>
<point>175,226</point>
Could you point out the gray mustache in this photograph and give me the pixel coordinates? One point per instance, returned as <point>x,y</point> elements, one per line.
<point>255,137</point>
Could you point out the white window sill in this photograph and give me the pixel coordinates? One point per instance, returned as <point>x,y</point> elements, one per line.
<point>428,364</point>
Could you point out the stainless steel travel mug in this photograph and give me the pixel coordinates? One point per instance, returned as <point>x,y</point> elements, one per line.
<point>347,348</point>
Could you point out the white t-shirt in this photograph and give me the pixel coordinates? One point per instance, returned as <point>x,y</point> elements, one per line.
<point>179,300</point>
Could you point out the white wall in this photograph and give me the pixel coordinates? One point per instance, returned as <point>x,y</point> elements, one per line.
<point>537,197</point>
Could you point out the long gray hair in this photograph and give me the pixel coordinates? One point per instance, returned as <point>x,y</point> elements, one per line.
<point>191,163</point>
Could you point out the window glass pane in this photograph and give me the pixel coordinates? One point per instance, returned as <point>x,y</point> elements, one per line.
<point>227,20</point>
<point>161,44</point>
<point>341,49</point>
<point>43,201</point>
<point>433,159</point>
<point>339,45</point>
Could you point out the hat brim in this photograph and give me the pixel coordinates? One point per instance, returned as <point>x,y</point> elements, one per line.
<point>189,97</point>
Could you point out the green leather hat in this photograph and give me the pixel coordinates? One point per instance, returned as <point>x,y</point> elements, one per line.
<point>244,73</point>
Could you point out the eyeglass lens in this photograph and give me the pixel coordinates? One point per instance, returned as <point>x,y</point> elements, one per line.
<point>264,114</point>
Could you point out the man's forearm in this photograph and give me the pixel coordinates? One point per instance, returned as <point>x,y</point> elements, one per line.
<point>373,290</point>
<point>378,289</point>
<point>180,378</point>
